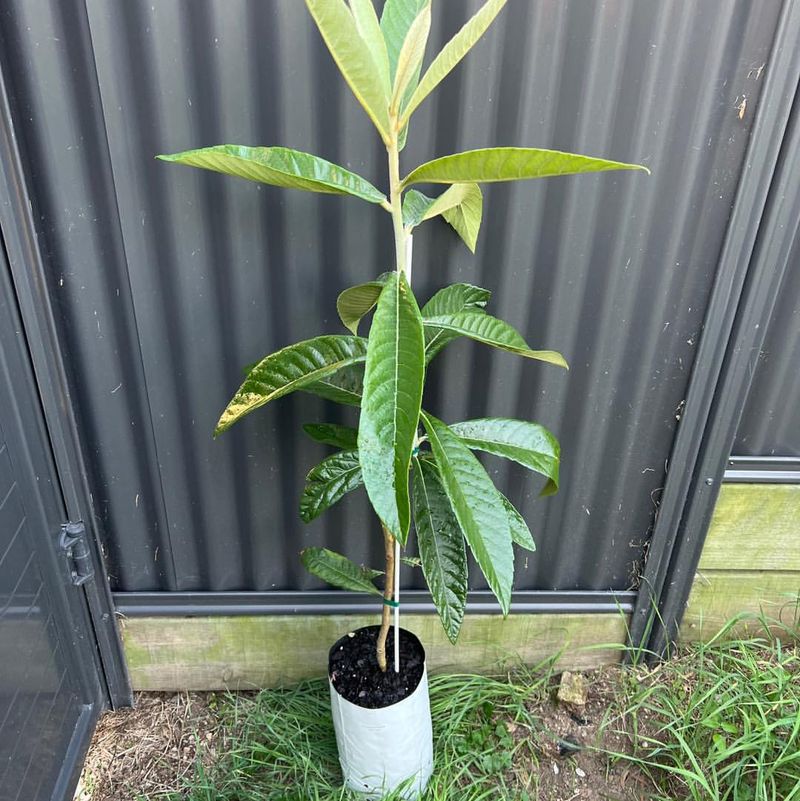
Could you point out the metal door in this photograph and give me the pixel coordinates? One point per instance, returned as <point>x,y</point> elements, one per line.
<point>50,682</point>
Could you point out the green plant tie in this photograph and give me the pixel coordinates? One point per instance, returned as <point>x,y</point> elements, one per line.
<point>393,604</point>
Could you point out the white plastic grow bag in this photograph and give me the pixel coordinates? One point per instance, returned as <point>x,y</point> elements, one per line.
<point>379,749</point>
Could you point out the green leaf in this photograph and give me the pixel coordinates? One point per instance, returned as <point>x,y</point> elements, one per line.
<point>409,61</point>
<point>478,507</point>
<point>449,300</point>
<point>355,302</point>
<point>328,483</point>
<point>290,369</point>
<point>369,29</point>
<point>339,570</point>
<point>509,164</point>
<point>520,533</point>
<point>396,19</point>
<point>393,380</point>
<point>280,166</point>
<point>441,547</point>
<point>452,53</point>
<point>345,386</point>
<point>333,434</point>
<point>492,331</point>
<point>528,444</point>
<point>352,55</point>
<point>461,205</point>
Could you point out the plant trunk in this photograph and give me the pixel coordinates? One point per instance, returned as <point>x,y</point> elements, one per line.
<point>388,595</point>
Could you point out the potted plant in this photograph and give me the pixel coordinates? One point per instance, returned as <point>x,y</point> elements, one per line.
<point>413,465</point>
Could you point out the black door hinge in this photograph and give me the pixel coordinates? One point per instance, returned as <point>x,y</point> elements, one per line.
<point>73,546</point>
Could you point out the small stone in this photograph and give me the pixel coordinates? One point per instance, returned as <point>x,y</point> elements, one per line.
<point>572,691</point>
<point>555,769</point>
<point>580,773</point>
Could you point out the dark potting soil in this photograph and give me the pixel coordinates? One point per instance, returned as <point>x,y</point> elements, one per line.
<point>354,672</point>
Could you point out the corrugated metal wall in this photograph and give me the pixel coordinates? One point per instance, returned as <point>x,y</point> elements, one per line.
<point>169,280</point>
<point>770,424</point>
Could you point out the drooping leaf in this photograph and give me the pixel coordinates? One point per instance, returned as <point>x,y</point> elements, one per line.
<point>333,434</point>
<point>356,301</point>
<point>520,533</point>
<point>345,386</point>
<point>492,331</point>
<point>509,164</point>
<point>280,166</point>
<point>396,18</point>
<point>409,61</point>
<point>292,368</point>
<point>452,53</point>
<point>352,56</point>
<point>461,206</point>
<point>478,507</point>
<point>328,483</point>
<point>393,380</point>
<point>441,547</point>
<point>339,570</point>
<point>528,444</point>
<point>369,29</point>
<point>449,300</point>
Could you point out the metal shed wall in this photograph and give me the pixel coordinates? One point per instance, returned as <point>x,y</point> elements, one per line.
<point>168,281</point>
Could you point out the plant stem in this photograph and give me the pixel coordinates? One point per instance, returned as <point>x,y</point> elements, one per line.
<point>388,593</point>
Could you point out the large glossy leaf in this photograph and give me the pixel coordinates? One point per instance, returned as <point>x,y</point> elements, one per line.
<point>356,301</point>
<point>396,18</point>
<point>450,300</point>
<point>477,505</point>
<point>452,53</point>
<point>369,29</point>
<point>509,164</point>
<point>352,56</point>
<point>393,380</point>
<point>528,444</point>
<point>492,331</point>
<point>520,533</point>
<point>441,546</point>
<point>345,386</point>
<point>333,434</point>
<point>409,61</point>
<point>295,367</point>
<point>328,483</point>
<point>461,205</point>
<point>339,570</point>
<point>280,166</point>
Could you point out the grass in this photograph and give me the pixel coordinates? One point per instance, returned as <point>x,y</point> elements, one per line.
<point>719,720</point>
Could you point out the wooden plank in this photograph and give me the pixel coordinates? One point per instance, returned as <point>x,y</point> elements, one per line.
<point>717,596</point>
<point>754,527</point>
<point>214,653</point>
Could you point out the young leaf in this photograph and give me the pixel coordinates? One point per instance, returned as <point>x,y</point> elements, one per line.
<point>280,166</point>
<point>410,58</point>
<point>491,331</point>
<point>452,53</point>
<point>396,19</point>
<point>339,570</point>
<point>393,380</point>
<point>345,386</point>
<point>370,31</point>
<point>478,507</point>
<point>338,436</point>
<point>520,533</point>
<point>355,302</point>
<point>352,56</point>
<point>449,300</point>
<point>461,205</point>
<point>441,547</point>
<point>328,483</point>
<point>290,369</point>
<point>528,444</point>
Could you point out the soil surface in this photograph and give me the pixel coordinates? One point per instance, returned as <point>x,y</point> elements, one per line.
<point>354,672</point>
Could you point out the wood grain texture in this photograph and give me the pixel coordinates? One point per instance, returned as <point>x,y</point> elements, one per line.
<point>215,653</point>
<point>754,527</point>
